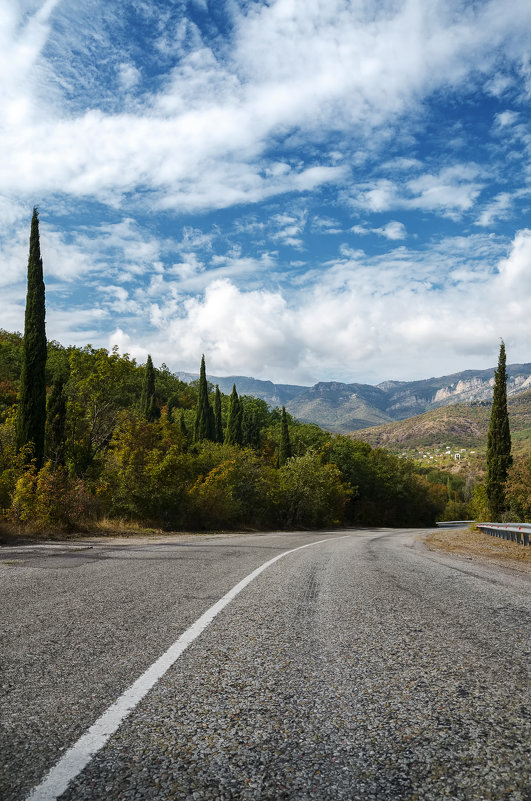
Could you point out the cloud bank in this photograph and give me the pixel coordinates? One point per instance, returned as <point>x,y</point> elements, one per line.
<point>301,189</point>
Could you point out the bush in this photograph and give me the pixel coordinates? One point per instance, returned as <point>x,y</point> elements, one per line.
<point>147,472</point>
<point>311,494</point>
<point>50,500</point>
<point>240,491</point>
<point>518,490</point>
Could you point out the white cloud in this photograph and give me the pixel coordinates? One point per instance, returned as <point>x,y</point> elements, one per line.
<point>507,118</point>
<point>514,279</point>
<point>499,84</point>
<point>451,192</point>
<point>381,197</point>
<point>194,275</point>
<point>300,96</point>
<point>201,140</point>
<point>393,230</point>
<point>128,76</point>
<point>398,315</point>
<point>497,209</point>
<point>326,225</point>
<point>289,228</point>
<point>235,329</point>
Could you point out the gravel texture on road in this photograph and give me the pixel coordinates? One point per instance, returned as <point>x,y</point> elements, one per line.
<point>361,668</point>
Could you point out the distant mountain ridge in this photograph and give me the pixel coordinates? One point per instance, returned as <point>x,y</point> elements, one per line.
<point>273,394</point>
<point>342,408</point>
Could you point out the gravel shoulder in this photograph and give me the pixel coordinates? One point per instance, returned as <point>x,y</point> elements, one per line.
<point>478,545</point>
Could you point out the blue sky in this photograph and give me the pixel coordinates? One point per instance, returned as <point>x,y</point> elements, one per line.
<point>302,190</point>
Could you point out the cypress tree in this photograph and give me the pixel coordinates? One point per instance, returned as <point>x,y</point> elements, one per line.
<point>217,416</point>
<point>204,416</point>
<point>170,406</point>
<point>182,425</point>
<point>233,432</point>
<point>284,450</point>
<point>250,427</point>
<point>56,422</point>
<point>499,457</point>
<point>153,412</point>
<point>31,413</point>
<point>148,404</point>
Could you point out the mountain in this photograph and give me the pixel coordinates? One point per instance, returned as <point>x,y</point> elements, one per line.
<point>340,407</point>
<point>413,397</point>
<point>273,394</point>
<point>462,425</point>
<point>343,408</point>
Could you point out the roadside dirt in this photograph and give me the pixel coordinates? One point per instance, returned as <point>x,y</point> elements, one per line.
<point>482,546</point>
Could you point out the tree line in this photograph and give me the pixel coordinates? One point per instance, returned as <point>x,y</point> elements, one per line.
<point>88,434</point>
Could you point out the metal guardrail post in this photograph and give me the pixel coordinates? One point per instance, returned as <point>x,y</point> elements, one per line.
<point>512,532</point>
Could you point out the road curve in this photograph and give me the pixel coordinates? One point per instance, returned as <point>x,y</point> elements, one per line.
<point>363,667</point>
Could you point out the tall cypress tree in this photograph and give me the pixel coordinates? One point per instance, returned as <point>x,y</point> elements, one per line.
<point>250,427</point>
<point>172,404</point>
<point>31,414</point>
<point>499,457</point>
<point>204,416</point>
<point>284,450</point>
<point>233,432</point>
<point>56,422</point>
<point>218,421</point>
<point>148,403</point>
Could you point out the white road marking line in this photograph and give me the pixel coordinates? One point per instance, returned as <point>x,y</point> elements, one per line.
<point>80,754</point>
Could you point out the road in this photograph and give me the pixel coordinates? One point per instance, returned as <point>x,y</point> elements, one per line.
<point>361,667</point>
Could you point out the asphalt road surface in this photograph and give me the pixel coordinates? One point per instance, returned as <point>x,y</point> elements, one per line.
<point>361,667</point>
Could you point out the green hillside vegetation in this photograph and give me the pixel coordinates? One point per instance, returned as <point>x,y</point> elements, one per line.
<point>452,441</point>
<point>123,444</point>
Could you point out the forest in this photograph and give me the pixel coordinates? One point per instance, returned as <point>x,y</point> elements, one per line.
<point>133,443</point>
<point>88,435</point>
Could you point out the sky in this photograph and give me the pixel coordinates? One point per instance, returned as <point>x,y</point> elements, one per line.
<point>302,190</point>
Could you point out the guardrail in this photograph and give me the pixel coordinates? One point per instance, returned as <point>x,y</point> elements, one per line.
<point>453,523</point>
<point>516,532</point>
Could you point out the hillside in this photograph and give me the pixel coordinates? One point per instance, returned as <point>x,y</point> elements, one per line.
<point>462,425</point>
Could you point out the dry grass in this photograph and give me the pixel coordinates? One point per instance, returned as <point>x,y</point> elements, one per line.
<point>105,530</point>
<point>121,527</point>
<point>477,544</point>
